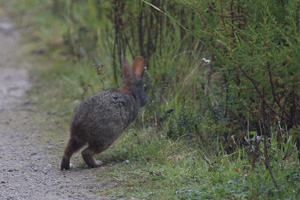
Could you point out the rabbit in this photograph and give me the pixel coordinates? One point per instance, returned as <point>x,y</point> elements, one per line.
<point>100,119</point>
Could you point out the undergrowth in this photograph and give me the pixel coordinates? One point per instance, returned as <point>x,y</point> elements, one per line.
<point>151,166</point>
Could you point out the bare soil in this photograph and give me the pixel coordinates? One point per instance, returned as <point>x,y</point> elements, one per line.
<point>31,142</point>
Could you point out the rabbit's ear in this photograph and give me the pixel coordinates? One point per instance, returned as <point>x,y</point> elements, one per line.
<point>126,70</point>
<point>138,66</point>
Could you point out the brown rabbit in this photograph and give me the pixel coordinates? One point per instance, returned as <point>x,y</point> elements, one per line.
<point>100,119</point>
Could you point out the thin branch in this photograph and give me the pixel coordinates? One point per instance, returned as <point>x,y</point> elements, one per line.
<point>267,162</point>
<point>297,16</point>
<point>273,89</point>
<point>140,30</point>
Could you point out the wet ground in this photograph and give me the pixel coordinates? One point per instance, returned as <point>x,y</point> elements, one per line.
<point>31,143</point>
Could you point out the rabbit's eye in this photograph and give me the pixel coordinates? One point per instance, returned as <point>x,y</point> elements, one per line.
<point>145,87</point>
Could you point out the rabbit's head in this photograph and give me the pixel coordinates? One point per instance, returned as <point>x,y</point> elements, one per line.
<point>133,82</point>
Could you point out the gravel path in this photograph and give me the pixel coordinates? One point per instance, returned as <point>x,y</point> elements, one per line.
<point>31,143</point>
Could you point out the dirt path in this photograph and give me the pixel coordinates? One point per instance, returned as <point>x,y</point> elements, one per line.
<point>31,143</point>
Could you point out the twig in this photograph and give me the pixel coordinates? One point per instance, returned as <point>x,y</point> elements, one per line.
<point>267,162</point>
<point>273,89</point>
<point>256,149</point>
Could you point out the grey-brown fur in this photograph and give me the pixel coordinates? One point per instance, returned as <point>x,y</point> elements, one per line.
<point>100,119</point>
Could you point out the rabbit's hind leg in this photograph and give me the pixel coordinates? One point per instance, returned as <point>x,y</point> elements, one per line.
<point>72,146</point>
<point>88,154</point>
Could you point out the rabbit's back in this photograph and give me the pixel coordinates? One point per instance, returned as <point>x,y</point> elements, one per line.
<point>103,117</point>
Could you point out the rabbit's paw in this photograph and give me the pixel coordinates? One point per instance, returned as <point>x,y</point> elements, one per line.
<point>65,163</point>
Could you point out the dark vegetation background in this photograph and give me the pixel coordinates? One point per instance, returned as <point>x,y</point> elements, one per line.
<point>223,76</point>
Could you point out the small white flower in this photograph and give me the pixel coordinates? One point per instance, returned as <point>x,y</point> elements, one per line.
<point>205,61</point>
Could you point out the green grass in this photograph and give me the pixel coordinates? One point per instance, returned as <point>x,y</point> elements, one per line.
<point>151,166</point>
<point>61,85</point>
